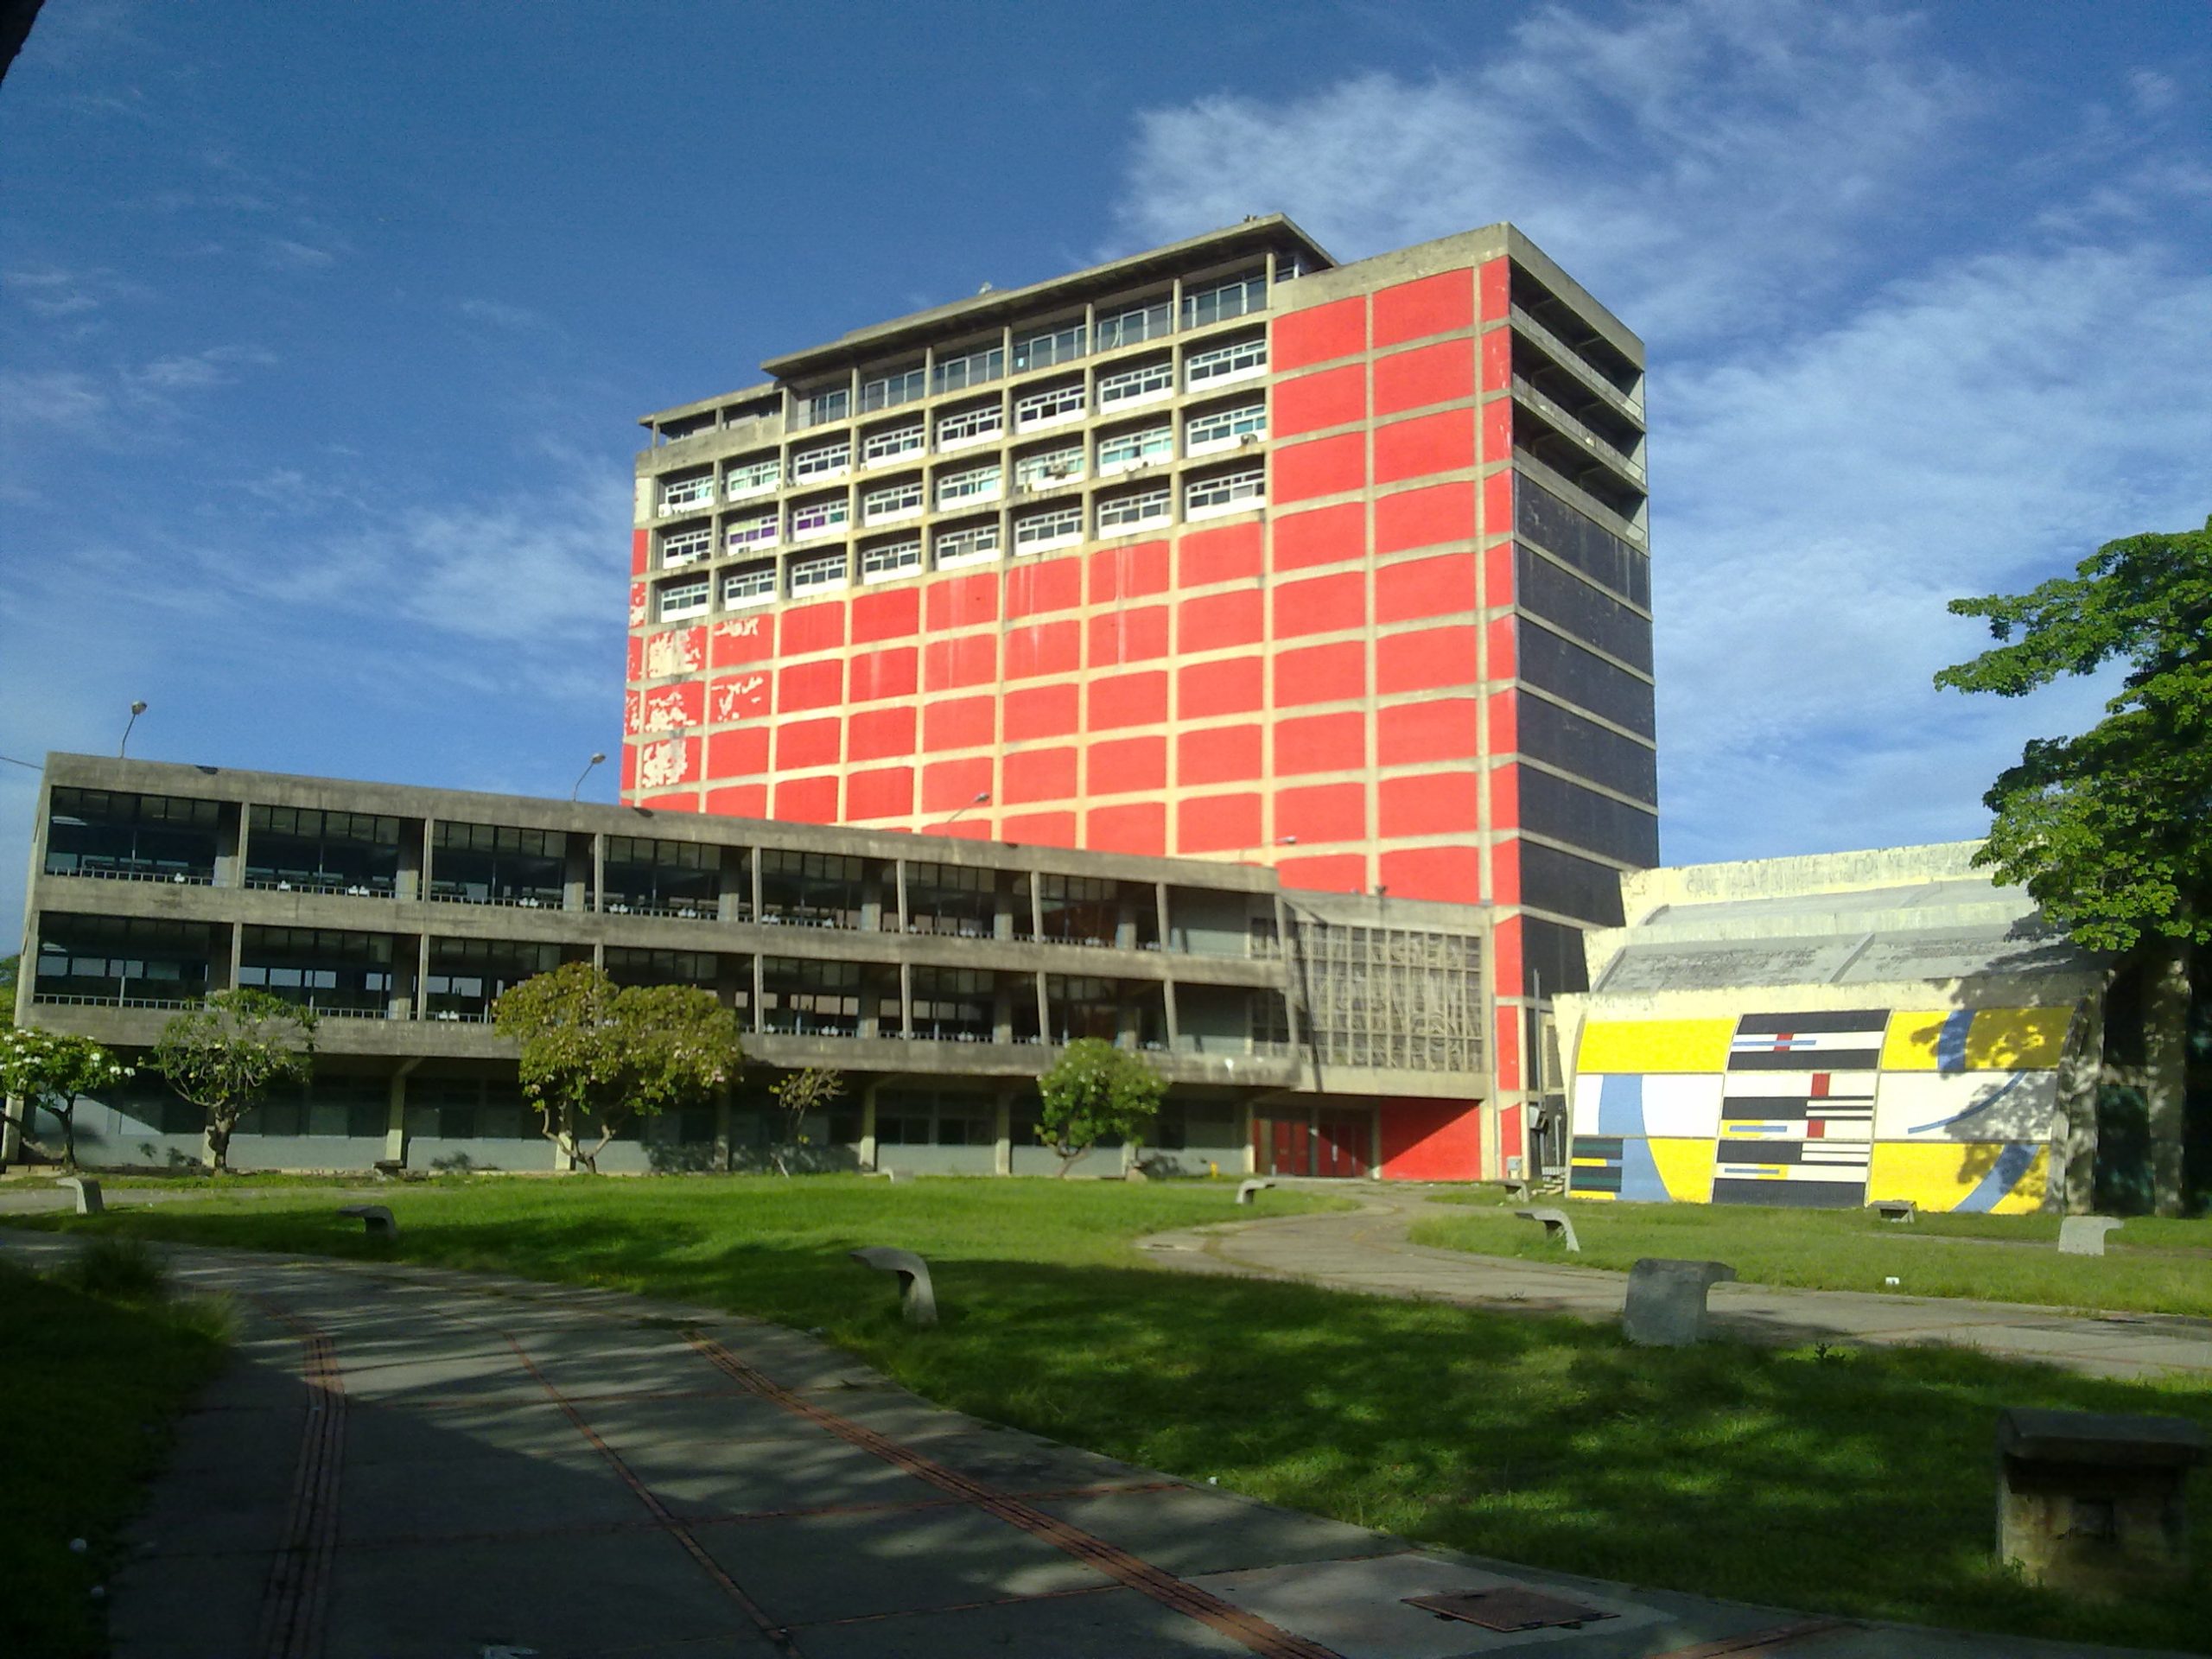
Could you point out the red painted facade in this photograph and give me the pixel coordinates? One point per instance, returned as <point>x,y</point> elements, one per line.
<point>1334,672</point>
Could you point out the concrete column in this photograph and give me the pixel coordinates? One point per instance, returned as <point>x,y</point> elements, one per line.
<point>1002,1120</point>
<point>867,1125</point>
<point>1044,1010</point>
<point>400,1003</point>
<point>422,977</point>
<point>1248,1158</point>
<point>426,861</point>
<point>722,1132</point>
<point>2165,1066</point>
<point>227,962</point>
<point>1173,1032</point>
<point>757,994</point>
<point>2074,1176</point>
<point>407,879</point>
<point>230,844</point>
<point>395,1120</point>
<point>1002,907</point>
<point>898,884</point>
<point>905,996</point>
<point>1001,1012</point>
<point>579,872</point>
<point>733,899</point>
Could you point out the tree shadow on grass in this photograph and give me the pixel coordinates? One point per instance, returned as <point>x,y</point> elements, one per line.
<point>1853,1482</point>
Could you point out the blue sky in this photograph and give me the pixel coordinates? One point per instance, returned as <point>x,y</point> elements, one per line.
<point>323,329</point>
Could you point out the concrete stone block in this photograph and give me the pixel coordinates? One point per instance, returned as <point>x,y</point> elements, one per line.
<point>89,1202</point>
<point>1897,1210</point>
<point>1557,1225</point>
<point>375,1218</point>
<point>2085,1235</point>
<point>919,1298</point>
<point>2094,1501</point>
<point>1666,1301</point>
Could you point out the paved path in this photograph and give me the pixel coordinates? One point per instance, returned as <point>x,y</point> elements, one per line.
<point>405,1463</point>
<point>1367,1251</point>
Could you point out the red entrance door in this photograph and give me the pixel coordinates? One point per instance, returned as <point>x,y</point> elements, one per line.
<point>1280,1146</point>
<point>1340,1148</point>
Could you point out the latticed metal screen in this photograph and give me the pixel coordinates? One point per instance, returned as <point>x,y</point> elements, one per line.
<point>1391,998</point>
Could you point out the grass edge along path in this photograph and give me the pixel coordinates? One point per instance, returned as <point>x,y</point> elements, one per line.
<point>94,1383</point>
<point>2150,1266</point>
<point>1858,1483</point>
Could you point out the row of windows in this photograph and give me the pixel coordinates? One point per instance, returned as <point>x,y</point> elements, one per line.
<point>1239,489</point>
<point>1204,432</point>
<point>1225,363</point>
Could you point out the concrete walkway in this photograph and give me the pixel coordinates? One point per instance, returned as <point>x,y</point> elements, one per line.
<point>406,1463</point>
<point>1367,1251</point>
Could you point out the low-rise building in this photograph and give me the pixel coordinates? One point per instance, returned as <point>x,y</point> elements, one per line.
<point>941,976</point>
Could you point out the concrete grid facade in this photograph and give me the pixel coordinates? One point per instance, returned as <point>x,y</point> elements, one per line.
<point>1224,551</point>
<point>940,976</point>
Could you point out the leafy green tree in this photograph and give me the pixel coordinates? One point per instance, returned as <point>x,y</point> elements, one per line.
<point>1095,1092</point>
<point>10,967</point>
<point>593,1053</point>
<point>2111,831</point>
<point>226,1055</point>
<point>48,1071</point>
<point>798,1095</point>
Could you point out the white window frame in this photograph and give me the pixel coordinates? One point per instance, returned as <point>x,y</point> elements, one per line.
<point>1050,470</point>
<point>1134,512</point>
<point>1143,447</point>
<point>813,575</point>
<point>1049,406</point>
<point>969,370</point>
<point>1062,342</point>
<point>1240,491</point>
<point>986,483</point>
<point>834,404</point>
<point>1147,383</point>
<point>882,448</point>
<point>837,513</point>
<point>765,530</point>
<point>1251,290</point>
<point>1225,365</point>
<point>747,479</point>
<point>1214,429</point>
<point>964,428</point>
<point>970,545</point>
<point>754,585</point>
<point>684,493</point>
<point>683,546</point>
<point>1158,317</point>
<point>823,460</point>
<point>891,561</point>
<point>890,391</point>
<point>892,502</point>
<point>692,597</point>
<point>1037,532</point>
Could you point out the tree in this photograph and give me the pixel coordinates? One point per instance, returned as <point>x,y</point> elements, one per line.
<point>10,967</point>
<point>798,1094</point>
<point>226,1055</point>
<point>1096,1091</point>
<point>2110,831</point>
<point>593,1052</point>
<point>47,1069</point>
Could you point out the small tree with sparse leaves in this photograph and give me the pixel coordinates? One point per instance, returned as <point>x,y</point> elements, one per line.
<point>1095,1092</point>
<point>798,1095</point>
<point>48,1071</point>
<point>596,1054</point>
<point>226,1055</point>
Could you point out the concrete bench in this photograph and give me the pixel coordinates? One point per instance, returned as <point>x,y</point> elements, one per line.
<point>1246,1190</point>
<point>1556,1226</point>
<point>89,1202</point>
<point>1666,1301</point>
<point>390,1169</point>
<point>1516,1192</point>
<point>2085,1235</point>
<point>375,1219</point>
<point>917,1297</point>
<point>2092,1501</point>
<point>1894,1209</point>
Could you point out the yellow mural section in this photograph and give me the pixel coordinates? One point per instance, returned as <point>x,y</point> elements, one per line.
<point>1996,1040</point>
<point>1686,1167</point>
<point>1655,1044</point>
<point>1942,1177</point>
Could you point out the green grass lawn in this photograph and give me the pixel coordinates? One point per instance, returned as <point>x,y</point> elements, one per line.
<point>92,1383</point>
<point>2150,1266</point>
<point>1857,1483</point>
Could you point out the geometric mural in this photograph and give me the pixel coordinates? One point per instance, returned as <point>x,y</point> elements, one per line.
<point>1954,1109</point>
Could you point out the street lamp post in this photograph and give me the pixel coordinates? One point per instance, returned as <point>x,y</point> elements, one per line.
<point>982,796</point>
<point>137,708</point>
<point>597,759</point>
